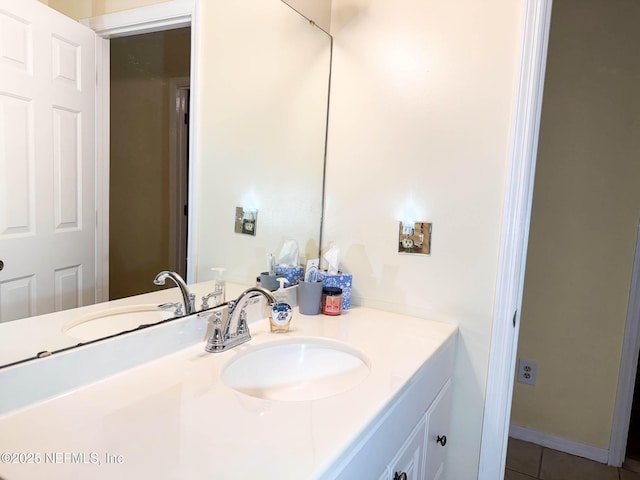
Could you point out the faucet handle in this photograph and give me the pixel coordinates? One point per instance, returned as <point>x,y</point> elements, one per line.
<point>217,327</point>
<point>243,328</point>
<point>205,298</point>
<point>205,301</point>
<point>169,305</point>
<point>216,341</point>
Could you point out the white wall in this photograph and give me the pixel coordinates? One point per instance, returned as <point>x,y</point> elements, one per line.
<point>421,104</point>
<point>78,9</point>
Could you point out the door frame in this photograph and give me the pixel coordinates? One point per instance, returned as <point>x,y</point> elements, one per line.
<point>514,238</point>
<point>503,348</point>
<point>178,170</point>
<point>628,369</point>
<point>163,16</point>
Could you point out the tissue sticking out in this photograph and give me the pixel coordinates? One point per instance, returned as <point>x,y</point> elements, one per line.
<point>287,262</point>
<point>288,256</point>
<point>332,259</point>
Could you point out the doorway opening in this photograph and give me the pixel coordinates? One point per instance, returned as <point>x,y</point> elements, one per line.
<point>148,185</point>
<point>632,455</point>
<point>626,425</point>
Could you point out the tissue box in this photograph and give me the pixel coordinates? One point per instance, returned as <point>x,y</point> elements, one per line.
<point>292,274</point>
<point>342,280</point>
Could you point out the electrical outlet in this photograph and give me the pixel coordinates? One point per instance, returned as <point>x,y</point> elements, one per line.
<point>527,371</point>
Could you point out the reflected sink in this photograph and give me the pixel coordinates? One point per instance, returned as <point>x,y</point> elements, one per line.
<point>114,320</point>
<point>296,370</point>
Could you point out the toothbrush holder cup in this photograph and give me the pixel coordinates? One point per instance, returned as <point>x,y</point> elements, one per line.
<point>270,282</point>
<point>309,297</point>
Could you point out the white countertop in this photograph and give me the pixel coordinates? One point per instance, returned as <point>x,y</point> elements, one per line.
<point>26,337</point>
<point>173,418</point>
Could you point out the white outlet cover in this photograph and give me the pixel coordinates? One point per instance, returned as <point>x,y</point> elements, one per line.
<point>527,372</point>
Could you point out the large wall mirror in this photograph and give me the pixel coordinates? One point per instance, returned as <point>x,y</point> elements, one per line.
<point>262,123</point>
<point>259,110</point>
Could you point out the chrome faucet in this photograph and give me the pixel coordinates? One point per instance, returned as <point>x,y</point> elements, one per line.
<point>224,337</point>
<point>188,298</point>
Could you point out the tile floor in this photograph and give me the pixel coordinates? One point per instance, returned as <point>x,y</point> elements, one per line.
<point>527,461</point>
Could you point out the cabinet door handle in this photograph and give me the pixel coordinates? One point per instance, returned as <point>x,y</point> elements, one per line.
<point>400,476</point>
<point>442,440</point>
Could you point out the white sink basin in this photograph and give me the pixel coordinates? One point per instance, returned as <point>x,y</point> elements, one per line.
<point>296,370</point>
<point>110,321</point>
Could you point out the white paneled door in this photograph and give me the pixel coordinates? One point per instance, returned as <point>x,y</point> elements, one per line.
<point>47,161</point>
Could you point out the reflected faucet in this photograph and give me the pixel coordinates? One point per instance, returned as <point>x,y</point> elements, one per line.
<point>188,298</point>
<point>224,338</point>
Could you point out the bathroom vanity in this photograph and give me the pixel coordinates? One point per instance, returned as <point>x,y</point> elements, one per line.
<point>183,415</point>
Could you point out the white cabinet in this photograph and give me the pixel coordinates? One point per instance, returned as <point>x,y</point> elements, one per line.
<point>438,417</point>
<point>407,441</point>
<point>408,462</point>
<point>384,475</point>
<point>422,456</point>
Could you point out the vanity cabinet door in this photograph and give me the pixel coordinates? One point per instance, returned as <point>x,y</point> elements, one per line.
<point>408,462</point>
<point>438,417</point>
<point>384,475</point>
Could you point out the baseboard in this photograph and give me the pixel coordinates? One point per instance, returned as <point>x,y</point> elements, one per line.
<point>558,443</point>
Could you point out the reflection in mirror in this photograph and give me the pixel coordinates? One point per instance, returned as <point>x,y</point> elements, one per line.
<point>260,114</point>
<point>148,96</point>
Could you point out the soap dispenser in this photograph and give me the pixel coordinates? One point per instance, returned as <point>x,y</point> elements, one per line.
<point>281,294</point>
<point>286,295</point>
<point>281,311</point>
<point>219,284</point>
